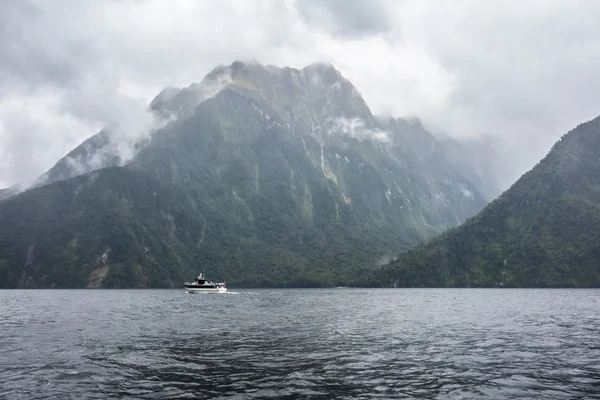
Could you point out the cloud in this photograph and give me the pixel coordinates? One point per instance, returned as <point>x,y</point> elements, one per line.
<point>126,120</point>
<point>25,151</point>
<point>37,49</point>
<point>355,128</point>
<point>346,18</point>
<point>384,260</point>
<point>522,73</point>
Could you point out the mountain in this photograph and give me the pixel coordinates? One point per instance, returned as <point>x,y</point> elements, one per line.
<point>266,176</point>
<point>478,160</point>
<point>94,153</point>
<point>542,232</point>
<point>9,192</point>
<point>104,149</point>
<point>4,193</point>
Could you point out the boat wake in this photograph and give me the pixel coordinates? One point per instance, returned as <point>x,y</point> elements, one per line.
<point>212,293</point>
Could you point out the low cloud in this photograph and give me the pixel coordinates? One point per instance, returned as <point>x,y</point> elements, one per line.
<point>356,129</point>
<point>173,102</point>
<point>125,121</point>
<point>74,115</point>
<point>25,151</point>
<point>384,260</point>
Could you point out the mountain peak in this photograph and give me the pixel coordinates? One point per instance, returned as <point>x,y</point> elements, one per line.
<point>322,68</point>
<point>258,168</point>
<point>164,97</point>
<point>315,87</point>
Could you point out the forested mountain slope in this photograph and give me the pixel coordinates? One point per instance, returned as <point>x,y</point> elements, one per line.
<point>264,176</point>
<point>542,232</point>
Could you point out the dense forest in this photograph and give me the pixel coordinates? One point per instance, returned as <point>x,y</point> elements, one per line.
<point>279,177</point>
<point>542,232</point>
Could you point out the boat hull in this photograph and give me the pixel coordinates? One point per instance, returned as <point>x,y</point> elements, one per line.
<point>206,290</point>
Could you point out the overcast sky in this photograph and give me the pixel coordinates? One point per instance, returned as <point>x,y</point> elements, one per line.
<point>522,71</point>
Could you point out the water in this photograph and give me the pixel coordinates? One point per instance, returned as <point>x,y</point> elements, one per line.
<point>333,343</point>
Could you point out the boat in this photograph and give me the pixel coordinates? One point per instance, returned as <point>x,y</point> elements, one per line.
<point>203,285</point>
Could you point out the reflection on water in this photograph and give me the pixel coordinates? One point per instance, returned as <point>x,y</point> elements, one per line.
<point>335,343</point>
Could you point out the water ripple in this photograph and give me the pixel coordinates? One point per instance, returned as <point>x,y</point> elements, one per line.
<point>340,343</point>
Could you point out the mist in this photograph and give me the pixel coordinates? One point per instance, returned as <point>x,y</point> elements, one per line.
<point>356,129</point>
<point>508,70</point>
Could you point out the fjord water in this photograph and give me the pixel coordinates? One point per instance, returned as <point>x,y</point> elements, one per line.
<point>321,343</point>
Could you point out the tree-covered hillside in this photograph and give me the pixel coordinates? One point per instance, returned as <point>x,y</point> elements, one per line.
<point>543,232</point>
<point>264,176</point>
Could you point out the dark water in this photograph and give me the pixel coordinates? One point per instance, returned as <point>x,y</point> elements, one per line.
<point>335,343</point>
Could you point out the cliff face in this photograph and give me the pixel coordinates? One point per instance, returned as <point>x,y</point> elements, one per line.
<point>267,176</point>
<point>542,232</point>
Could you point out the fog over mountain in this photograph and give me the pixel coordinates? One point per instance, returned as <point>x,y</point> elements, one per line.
<point>274,176</point>
<point>509,75</point>
<point>541,232</point>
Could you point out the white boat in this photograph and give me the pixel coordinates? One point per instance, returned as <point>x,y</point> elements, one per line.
<point>203,285</point>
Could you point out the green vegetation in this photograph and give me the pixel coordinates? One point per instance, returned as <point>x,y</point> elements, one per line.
<point>542,232</point>
<point>249,184</point>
